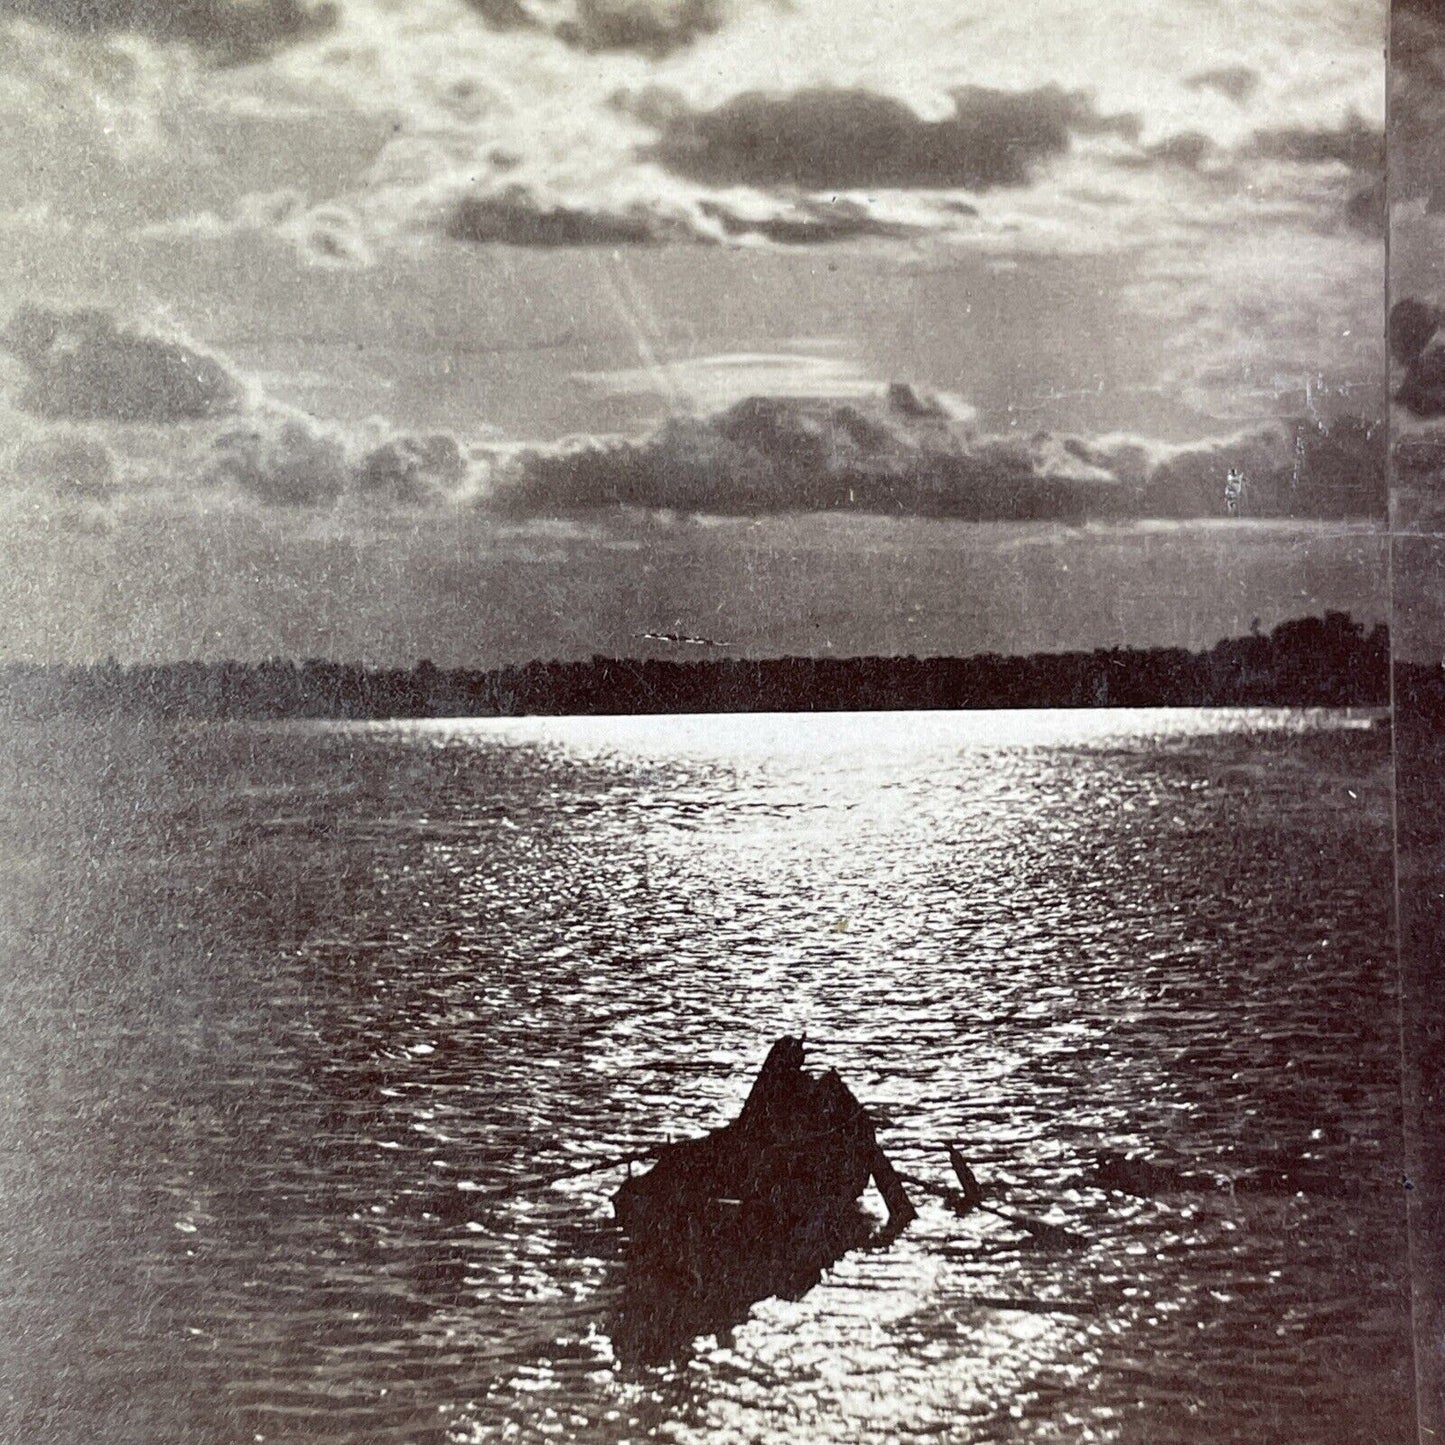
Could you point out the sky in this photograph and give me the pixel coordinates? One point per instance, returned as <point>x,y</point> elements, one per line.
<point>490,329</point>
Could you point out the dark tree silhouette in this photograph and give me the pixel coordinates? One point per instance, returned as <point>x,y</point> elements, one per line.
<point>1310,661</point>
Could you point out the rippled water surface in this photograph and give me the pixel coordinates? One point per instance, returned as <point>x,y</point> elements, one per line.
<point>284,1005</point>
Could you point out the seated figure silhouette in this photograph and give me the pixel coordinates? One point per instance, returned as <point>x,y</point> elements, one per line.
<point>755,1209</point>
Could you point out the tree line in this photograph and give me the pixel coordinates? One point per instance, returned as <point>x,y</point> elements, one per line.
<point>1329,661</point>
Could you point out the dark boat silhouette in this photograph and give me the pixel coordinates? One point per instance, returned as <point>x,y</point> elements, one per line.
<point>758,1208</point>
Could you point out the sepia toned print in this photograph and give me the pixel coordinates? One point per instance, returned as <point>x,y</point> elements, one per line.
<point>697,708</point>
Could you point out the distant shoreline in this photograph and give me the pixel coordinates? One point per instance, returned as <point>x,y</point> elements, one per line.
<point>1328,661</point>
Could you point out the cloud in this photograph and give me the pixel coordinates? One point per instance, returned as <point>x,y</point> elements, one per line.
<point>516,218</point>
<point>655,28</point>
<point>809,222</point>
<point>399,114</point>
<point>411,471</point>
<point>712,383</point>
<point>329,235</point>
<point>905,452</point>
<point>1236,82</point>
<point>162,419</point>
<point>851,139</point>
<point>83,365</point>
<point>64,465</point>
<point>232,31</point>
<point>1355,146</point>
<point>406,123</point>
<point>541,123</point>
<point>286,459</point>
<point>792,168</point>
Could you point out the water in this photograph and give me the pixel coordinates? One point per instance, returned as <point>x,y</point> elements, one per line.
<point>281,1002</point>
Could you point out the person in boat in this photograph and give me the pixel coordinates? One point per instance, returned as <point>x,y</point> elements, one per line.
<point>801,1147</point>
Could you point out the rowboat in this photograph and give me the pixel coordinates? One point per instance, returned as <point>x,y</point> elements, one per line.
<point>757,1208</point>
<point>802,1148</point>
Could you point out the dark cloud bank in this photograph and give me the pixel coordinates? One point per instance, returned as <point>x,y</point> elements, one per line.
<point>818,140</point>
<point>907,454</point>
<point>514,217</point>
<point>902,452</point>
<point>805,147</point>
<point>1355,147</point>
<point>812,141</point>
<point>838,140</point>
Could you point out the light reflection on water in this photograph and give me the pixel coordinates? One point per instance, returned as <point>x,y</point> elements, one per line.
<point>285,1001</point>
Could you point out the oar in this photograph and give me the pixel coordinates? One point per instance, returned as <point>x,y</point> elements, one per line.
<point>963,1201</point>
<point>546,1181</point>
<point>962,1204</point>
<point>1053,1235</point>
